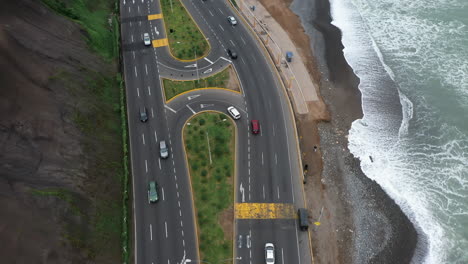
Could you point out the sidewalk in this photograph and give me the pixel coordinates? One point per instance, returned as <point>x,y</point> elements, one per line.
<point>294,74</point>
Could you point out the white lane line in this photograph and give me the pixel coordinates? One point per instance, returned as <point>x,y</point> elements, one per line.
<point>208,60</point>
<point>221,11</point>
<point>226,59</point>
<point>180,213</point>
<point>232,42</point>
<point>149,90</point>
<point>277,188</point>
<point>155,136</point>
<point>138,92</point>
<point>282,256</point>
<point>262,158</point>
<point>210,13</point>
<point>152,112</point>
<point>177,194</point>
<point>181,224</point>
<point>174,111</point>
<point>133,54</point>
<point>162,189</point>
<point>138,9</point>
<point>143,137</point>
<point>243,61</point>
<point>243,40</point>
<point>129,9</point>
<point>182,232</point>
<point>146,166</point>
<point>178,202</point>
<point>151,231</point>
<point>191,109</point>
<point>146,69</point>
<point>177,186</point>
<point>136,74</point>
<point>159,160</point>
<point>263,192</point>
<point>165,225</point>
<point>132,37</point>
<point>276,159</point>
<point>221,27</point>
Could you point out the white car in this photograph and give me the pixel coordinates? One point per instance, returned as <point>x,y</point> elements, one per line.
<point>234,112</point>
<point>269,253</point>
<point>232,20</point>
<point>146,39</point>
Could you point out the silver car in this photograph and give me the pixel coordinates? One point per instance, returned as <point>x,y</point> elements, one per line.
<point>269,253</point>
<point>234,112</point>
<point>146,39</point>
<point>163,150</point>
<point>232,20</point>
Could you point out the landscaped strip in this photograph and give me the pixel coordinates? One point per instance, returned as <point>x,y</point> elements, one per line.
<point>226,79</point>
<point>186,42</point>
<point>210,147</point>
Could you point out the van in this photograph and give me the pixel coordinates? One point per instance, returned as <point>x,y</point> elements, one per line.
<point>163,151</point>
<point>303,218</point>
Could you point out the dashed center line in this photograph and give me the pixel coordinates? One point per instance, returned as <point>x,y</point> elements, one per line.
<point>143,137</point>
<point>221,27</point>
<point>136,73</point>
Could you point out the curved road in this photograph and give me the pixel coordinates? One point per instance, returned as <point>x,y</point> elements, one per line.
<point>267,164</point>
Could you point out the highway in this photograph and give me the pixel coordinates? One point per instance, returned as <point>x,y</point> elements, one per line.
<point>268,169</point>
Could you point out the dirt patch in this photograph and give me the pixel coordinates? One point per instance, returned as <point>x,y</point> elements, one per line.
<point>226,220</point>
<point>233,81</point>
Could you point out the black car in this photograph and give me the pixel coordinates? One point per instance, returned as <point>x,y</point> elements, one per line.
<point>232,53</point>
<point>143,115</point>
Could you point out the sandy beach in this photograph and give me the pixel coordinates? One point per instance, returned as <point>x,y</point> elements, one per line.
<point>355,220</point>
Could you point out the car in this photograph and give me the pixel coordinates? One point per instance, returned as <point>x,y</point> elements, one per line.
<point>232,54</point>
<point>232,20</point>
<point>303,216</point>
<point>233,112</point>
<point>146,39</point>
<point>269,253</point>
<point>152,192</point>
<point>143,114</point>
<point>255,126</point>
<point>163,150</point>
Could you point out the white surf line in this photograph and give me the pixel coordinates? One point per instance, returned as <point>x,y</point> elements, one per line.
<point>191,109</point>
<point>146,165</point>
<point>232,42</point>
<point>151,231</point>
<point>174,111</point>
<point>138,92</point>
<point>243,40</point>
<point>208,60</point>
<point>221,11</point>
<point>225,59</point>
<point>159,160</point>
<point>152,112</point>
<point>136,73</point>
<point>165,226</point>
<point>146,69</point>
<point>210,13</point>
<point>149,90</point>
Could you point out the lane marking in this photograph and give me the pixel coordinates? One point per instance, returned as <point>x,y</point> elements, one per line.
<point>226,59</point>
<point>136,73</point>
<point>162,189</point>
<point>149,91</point>
<point>221,11</point>
<point>210,13</point>
<point>221,27</point>
<point>191,109</point>
<point>165,225</point>
<point>159,160</point>
<point>232,42</point>
<point>262,158</point>
<point>146,69</point>
<point>138,92</point>
<point>132,37</point>
<point>276,159</point>
<point>277,188</point>
<point>155,16</point>
<point>146,166</point>
<point>208,60</point>
<point>151,231</point>
<point>133,54</point>
<point>264,211</point>
<point>282,256</point>
<point>174,111</point>
<point>160,42</point>
<point>143,137</point>
<point>243,40</point>
<point>243,61</point>
<point>152,112</point>
<point>263,192</point>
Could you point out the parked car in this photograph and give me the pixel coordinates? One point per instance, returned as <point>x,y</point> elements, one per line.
<point>303,216</point>
<point>152,192</point>
<point>269,253</point>
<point>146,39</point>
<point>232,54</point>
<point>143,114</point>
<point>163,150</point>
<point>232,20</point>
<point>255,126</point>
<point>234,112</point>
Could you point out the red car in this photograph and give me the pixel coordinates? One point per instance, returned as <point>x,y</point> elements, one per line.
<point>255,126</point>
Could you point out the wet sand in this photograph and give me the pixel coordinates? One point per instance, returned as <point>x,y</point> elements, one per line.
<point>356,221</point>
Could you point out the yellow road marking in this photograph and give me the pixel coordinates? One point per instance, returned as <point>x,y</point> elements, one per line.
<point>264,211</point>
<point>160,42</point>
<point>155,16</point>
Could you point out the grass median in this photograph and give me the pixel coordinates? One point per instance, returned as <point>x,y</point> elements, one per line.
<point>186,42</point>
<point>209,142</point>
<point>226,79</point>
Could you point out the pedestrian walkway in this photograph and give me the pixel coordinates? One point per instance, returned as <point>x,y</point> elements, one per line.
<point>294,74</point>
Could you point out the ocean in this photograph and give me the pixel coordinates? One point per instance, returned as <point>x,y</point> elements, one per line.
<point>419,152</point>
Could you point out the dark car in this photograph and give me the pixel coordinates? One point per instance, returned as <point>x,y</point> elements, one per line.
<point>255,126</point>
<point>232,54</point>
<point>143,114</point>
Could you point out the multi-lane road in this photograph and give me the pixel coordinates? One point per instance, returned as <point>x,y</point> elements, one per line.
<point>268,170</point>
